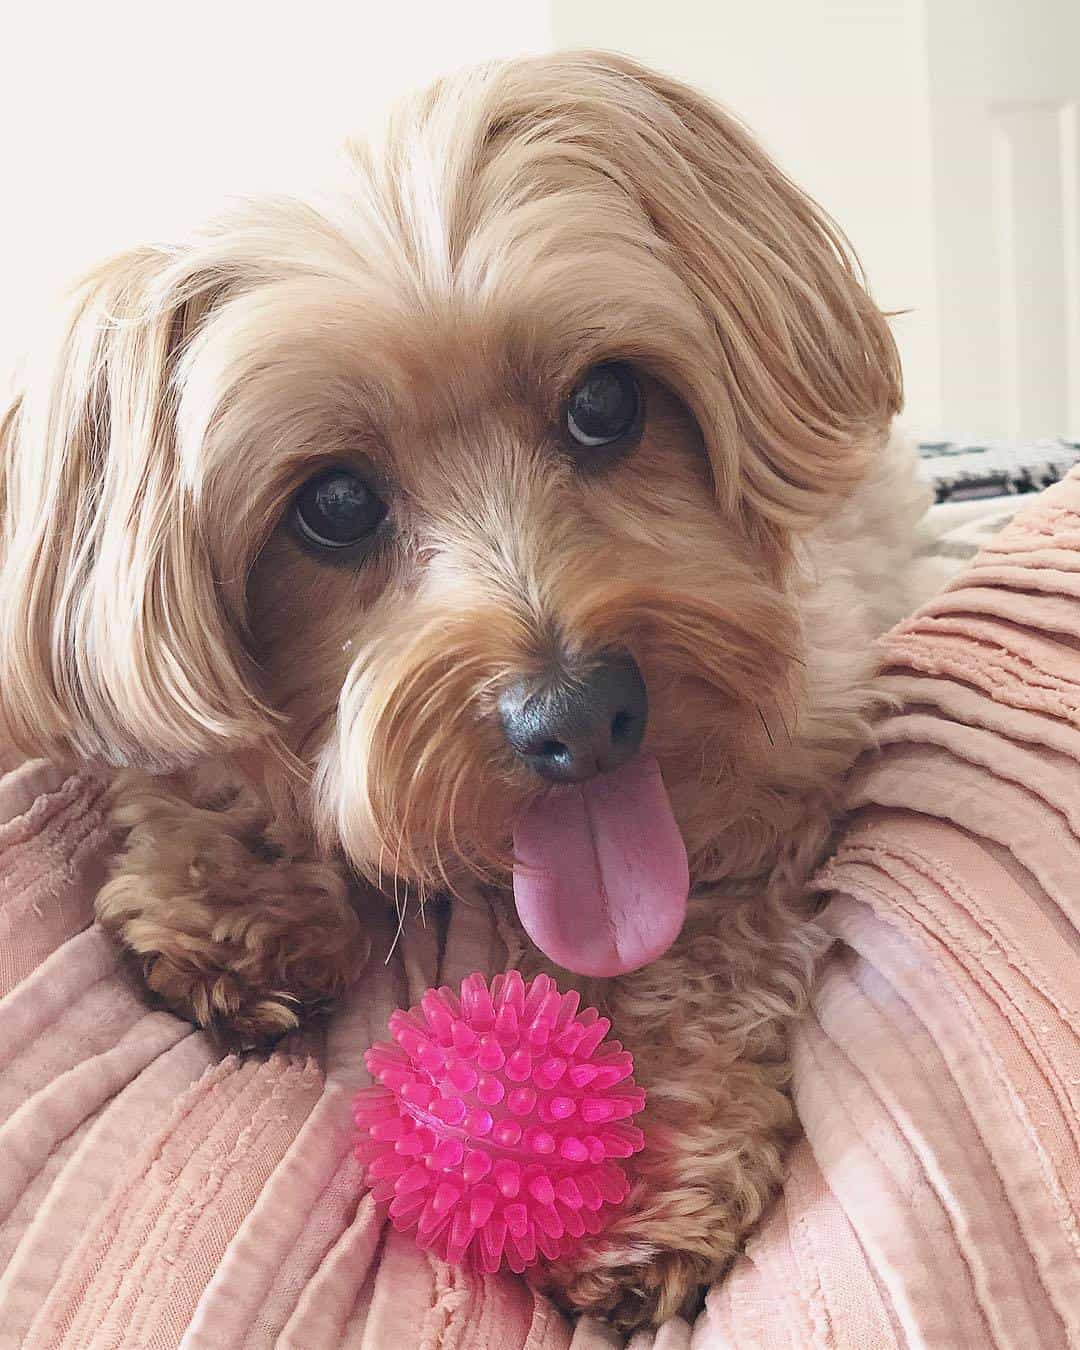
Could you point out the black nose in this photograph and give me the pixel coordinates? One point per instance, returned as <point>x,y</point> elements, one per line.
<point>574,727</point>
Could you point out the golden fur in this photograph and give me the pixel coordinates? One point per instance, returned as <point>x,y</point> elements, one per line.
<point>303,741</point>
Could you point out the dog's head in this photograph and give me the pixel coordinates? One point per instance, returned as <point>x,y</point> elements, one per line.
<point>481,478</point>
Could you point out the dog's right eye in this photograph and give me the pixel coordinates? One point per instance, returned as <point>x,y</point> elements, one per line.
<point>337,510</point>
<point>604,414</point>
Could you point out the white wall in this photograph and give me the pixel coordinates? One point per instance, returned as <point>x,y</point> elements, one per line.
<point>944,137</point>
<point>835,89</point>
<point>126,120</point>
<point>1004,97</point>
<point>123,121</point>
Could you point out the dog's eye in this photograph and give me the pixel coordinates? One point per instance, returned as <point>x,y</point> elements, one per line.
<point>337,509</point>
<point>604,408</point>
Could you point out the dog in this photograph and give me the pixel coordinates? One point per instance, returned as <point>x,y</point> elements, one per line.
<point>514,524</point>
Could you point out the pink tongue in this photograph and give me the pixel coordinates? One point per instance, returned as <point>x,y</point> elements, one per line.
<point>600,875</point>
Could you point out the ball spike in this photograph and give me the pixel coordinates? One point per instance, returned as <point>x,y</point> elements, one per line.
<point>492,1243</point>
<point>506,1024</point>
<point>568,1009</point>
<point>546,1219</point>
<point>549,1071</point>
<point>476,1003</point>
<point>482,1205</point>
<point>461,1234</point>
<point>519,1066</point>
<point>475,1167</point>
<point>407,1207</point>
<point>593,1036</point>
<point>437,1014</point>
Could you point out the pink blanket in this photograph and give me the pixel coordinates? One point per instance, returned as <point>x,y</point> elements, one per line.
<point>154,1194</point>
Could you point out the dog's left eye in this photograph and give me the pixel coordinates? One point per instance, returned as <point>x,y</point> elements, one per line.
<point>337,509</point>
<point>604,408</point>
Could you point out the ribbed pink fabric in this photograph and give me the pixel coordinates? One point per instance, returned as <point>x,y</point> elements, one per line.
<point>935,1200</point>
<point>154,1194</point>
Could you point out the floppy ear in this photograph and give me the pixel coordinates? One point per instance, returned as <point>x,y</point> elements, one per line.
<point>806,375</point>
<point>114,643</point>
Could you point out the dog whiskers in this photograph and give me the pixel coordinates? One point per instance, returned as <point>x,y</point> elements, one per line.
<point>380,872</point>
<point>794,710</point>
<point>421,900</point>
<point>398,905</point>
<point>397,937</point>
<point>765,724</point>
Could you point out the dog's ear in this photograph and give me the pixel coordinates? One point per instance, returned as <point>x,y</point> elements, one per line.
<point>806,375</point>
<point>114,643</point>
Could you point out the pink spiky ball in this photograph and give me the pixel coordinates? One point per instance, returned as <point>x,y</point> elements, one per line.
<point>500,1122</point>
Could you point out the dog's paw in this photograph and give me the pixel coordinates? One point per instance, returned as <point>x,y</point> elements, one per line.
<point>696,1194</point>
<point>661,1249</point>
<point>224,925</point>
<point>234,1012</point>
<point>643,1291</point>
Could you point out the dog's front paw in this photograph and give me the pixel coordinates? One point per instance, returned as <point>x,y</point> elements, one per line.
<point>643,1290</point>
<point>225,925</point>
<point>696,1192</point>
<point>234,1012</point>
<point>252,974</point>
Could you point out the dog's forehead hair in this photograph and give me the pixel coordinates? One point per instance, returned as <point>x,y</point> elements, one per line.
<point>448,372</point>
<point>459,392</point>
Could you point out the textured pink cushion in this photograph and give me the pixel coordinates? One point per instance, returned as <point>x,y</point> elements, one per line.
<point>935,1199</point>
<point>155,1194</point>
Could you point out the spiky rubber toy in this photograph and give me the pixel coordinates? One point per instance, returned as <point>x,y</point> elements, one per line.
<point>500,1122</point>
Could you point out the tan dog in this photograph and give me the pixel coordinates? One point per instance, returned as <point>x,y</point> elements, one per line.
<point>532,499</point>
